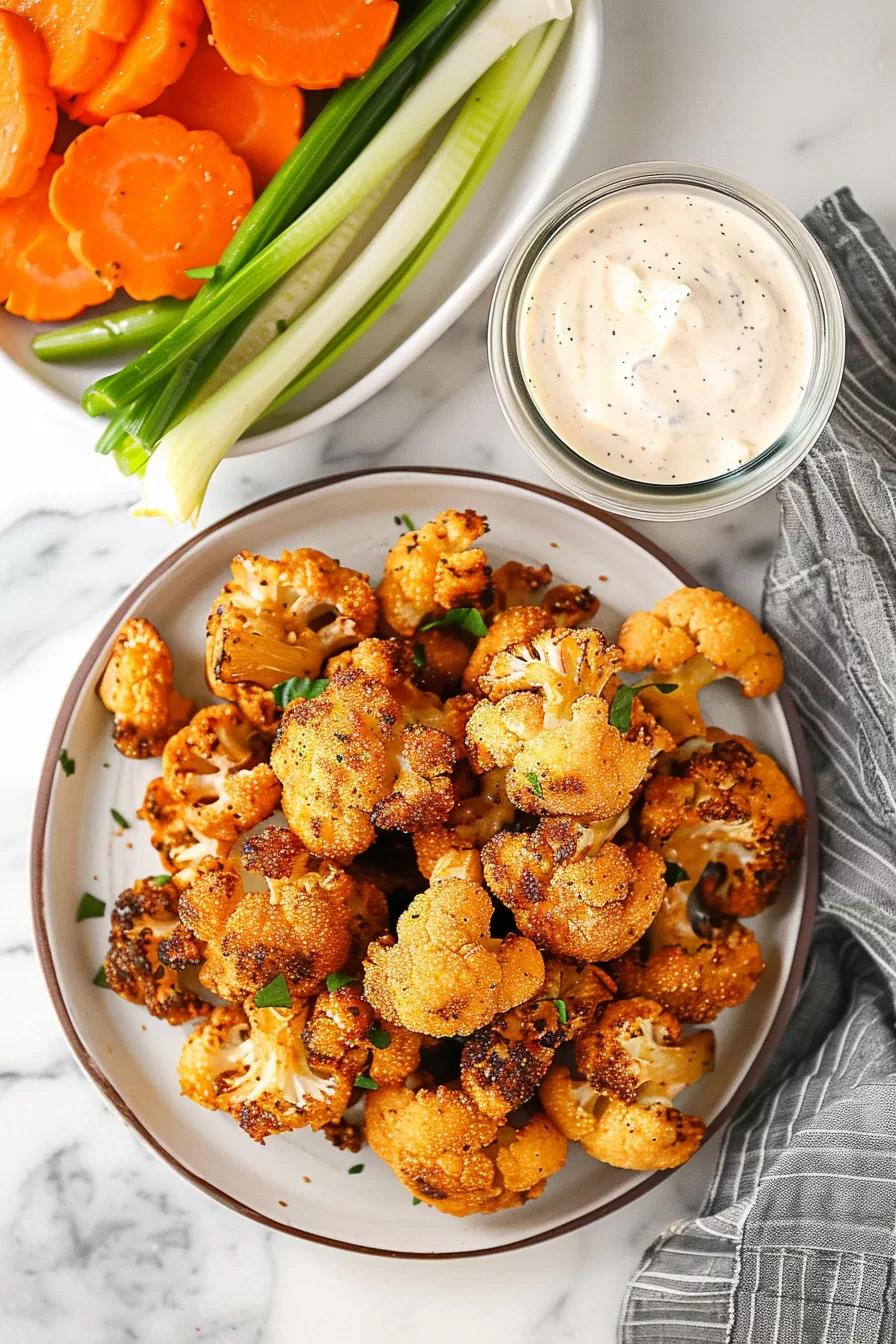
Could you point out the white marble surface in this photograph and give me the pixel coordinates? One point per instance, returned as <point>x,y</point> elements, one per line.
<point>101,1244</point>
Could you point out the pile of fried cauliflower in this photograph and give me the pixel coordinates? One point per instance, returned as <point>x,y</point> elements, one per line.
<point>499,882</point>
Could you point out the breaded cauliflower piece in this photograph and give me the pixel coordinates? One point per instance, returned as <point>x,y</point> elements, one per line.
<point>516,585</point>
<point>472,823</point>
<point>216,769</point>
<point>299,925</point>
<point>147,948</point>
<point>569,605</point>
<point>456,1159</point>
<point>633,1063</point>
<point>175,836</point>
<point>356,758</point>
<point>720,804</point>
<point>503,1063</point>
<point>252,1063</point>
<point>339,1023</point>
<point>547,719</point>
<point>691,638</point>
<point>694,968</point>
<point>571,891</point>
<point>137,686</point>
<point>394,1063</point>
<point>433,569</point>
<point>514,625</point>
<point>445,976</point>
<point>279,619</point>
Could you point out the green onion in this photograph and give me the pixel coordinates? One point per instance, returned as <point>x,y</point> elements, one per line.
<point>624,699</point>
<point>460,618</point>
<point>418,653</point>
<point>68,765</point>
<point>406,521</point>
<point>561,1011</point>
<point>89,907</point>
<point>298,688</point>
<point>128,330</point>
<point>275,994</point>
<point>534,784</point>
<point>201,273</point>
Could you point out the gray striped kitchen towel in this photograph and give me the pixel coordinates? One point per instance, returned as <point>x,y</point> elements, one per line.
<point>795,1243</point>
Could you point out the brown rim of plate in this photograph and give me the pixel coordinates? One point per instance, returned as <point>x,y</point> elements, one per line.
<point>87,670</point>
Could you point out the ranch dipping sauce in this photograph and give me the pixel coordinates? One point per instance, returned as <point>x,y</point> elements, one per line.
<point>666,336</point>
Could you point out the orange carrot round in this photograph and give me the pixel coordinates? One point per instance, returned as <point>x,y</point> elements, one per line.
<point>81,36</point>
<point>40,277</point>
<point>258,122</point>
<point>313,43</point>
<point>27,107</point>
<point>144,200</point>
<point>154,56</point>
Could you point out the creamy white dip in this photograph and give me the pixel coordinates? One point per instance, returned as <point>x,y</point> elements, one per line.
<point>666,336</point>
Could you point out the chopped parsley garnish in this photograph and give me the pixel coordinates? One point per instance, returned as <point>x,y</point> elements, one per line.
<point>675,874</point>
<point>561,1011</point>
<point>415,1200</point>
<point>281,324</point>
<point>621,705</point>
<point>298,688</point>
<point>100,979</point>
<point>161,879</point>
<point>275,994</point>
<point>405,520</point>
<point>460,618</point>
<point>68,765</point>
<point>378,1037</point>
<point>336,979</point>
<point>200,273</point>
<point>419,654</point>
<point>90,907</point>
<point>356,1169</point>
<point>534,784</point>
<point>366,1082</point>
<point>119,819</point>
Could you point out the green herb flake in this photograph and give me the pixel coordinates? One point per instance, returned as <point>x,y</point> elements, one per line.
<point>161,879</point>
<point>298,688</point>
<point>275,994</point>
<point>336,979</point>
<point>623,700</point>
<point>90,907</point>
<point>406,521</point>
<point>379,1038</point>
<point>675,874</point>
<point>282,324</point>
<point>460,618</point>
<point>68,765</point>
<point>356,1169</point>
<point>419,655</point>
<point>100,979</point>
<point>561,1011</point>
<point>201,273</point>
<point>366,1082</point>
<point>415,1200</point>
<point>534,784</point>
<point>119,819</point>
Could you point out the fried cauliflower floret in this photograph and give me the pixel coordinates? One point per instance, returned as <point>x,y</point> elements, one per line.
<point>445,976</point>
<point>572,892</point>
<point>440,660</point>
<point>472,823</point>
<point>569,605</point>
<point>691,638</point>
<point>279,619</point>
<point>147,948</point>
<point>516,585</point>
<point>354,759</point>
<point>514,625</point>
<point>503,1063</point>
<point>252,1063</point>
<point>339,1023</point>
<point>138,688</point>
<point>300,925</point>
<point>693,967</point>
<point>456,1159</point>
<point>433,569</point>
<point>721,809</point>
<point>547,719</point>
<point>174,832</point>
<point>215,768</point>
<point>393,1063</point>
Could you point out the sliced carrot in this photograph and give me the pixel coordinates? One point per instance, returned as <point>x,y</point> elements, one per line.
<point>260,123</point>
<point>154,56</point>
<point>144,200</point>
<point>313,43</point>
<point>40,277</point>
<point>81,36</point>
<point>27,107</point>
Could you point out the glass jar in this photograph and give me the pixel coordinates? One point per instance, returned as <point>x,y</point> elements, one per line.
<point>639,499</point>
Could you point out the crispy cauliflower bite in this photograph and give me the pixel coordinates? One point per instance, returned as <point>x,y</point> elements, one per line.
<point>517,585</point>
<point>515,625</point>
<point>252,1063</point>
<point>720,808</point>
<point>174,833</point>
<point>546,718</point>
<point>572,892</point>
<point>138,688</point>
<point>434,569</point>
<point>691,638</point>
<point>445,976</point>
<point>147,948</point>
<point>215,768</point>
<point>279,619</point>
<point>694,968</point>
<point>472,823</point>
<point>454,1158</point>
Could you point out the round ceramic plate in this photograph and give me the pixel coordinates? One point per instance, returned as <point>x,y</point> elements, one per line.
<point>518,185</point>
<point>298,1182</point>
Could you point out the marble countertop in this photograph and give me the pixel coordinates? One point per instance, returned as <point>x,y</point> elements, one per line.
<point>99,1242</point>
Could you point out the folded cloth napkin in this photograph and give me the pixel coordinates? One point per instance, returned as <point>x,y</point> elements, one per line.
<point>797,1237</point>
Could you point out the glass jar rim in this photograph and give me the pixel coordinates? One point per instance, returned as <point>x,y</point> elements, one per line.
<point>646,499</point>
